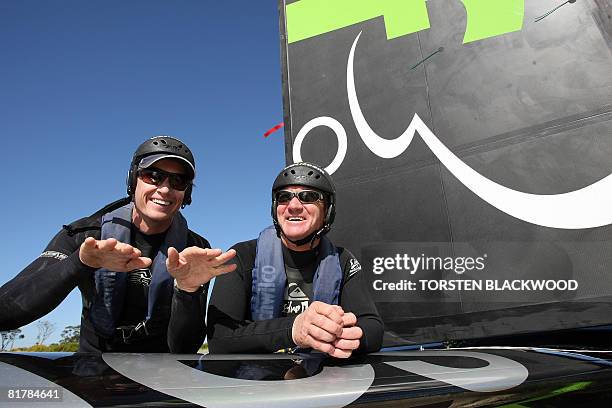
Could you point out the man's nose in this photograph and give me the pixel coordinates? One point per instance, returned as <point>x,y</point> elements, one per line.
<point>164,187</point>
<point>295,203</point>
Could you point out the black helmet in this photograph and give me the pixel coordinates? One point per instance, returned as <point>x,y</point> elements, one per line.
<point>307,175</point>
<point>158,148</point>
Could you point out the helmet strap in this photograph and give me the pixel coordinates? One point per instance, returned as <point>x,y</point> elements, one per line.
<point>299,242</point>
<point>311,238</point>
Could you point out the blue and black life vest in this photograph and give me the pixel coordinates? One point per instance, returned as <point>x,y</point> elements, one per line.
<point>110,286</point>
<point>270,278</point>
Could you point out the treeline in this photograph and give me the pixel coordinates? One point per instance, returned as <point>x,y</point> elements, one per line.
<point>50,347</point>
<point>69,338</point>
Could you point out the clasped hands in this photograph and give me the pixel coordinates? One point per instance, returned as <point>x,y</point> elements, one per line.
<point>327,328</point>
<point>192,267</point>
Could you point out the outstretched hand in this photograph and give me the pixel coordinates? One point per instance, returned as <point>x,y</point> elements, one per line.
<point>112,255</point>
<point>194,266</point>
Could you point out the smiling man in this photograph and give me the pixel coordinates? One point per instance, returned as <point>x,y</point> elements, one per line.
<point>129,260</point>
<point>292,287</point>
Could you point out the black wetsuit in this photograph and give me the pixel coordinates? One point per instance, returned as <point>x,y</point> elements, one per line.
<point>231,329</point>
<point>43,284</point>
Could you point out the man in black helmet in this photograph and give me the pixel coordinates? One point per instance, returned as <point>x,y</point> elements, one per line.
<point>144,235</point>
<point>292,287</point>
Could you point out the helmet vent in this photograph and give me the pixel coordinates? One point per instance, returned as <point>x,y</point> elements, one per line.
<point>155,143</point>
<point>163,141</point>
<point>292,171</point>
<point>317,176</point>
<point>310,173</point>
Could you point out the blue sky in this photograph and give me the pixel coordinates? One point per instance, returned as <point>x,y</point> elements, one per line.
<point>83,83</point>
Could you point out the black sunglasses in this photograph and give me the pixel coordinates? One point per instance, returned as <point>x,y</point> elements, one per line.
<point>305,196</point>
<point>157,177</point>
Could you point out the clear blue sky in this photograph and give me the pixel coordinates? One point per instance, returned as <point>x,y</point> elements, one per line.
<point>83,83</point>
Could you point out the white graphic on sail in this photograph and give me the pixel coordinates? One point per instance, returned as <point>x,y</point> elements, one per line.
<point>588,207</point>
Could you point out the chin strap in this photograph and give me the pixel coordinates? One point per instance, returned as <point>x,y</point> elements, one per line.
<point>310,238</point>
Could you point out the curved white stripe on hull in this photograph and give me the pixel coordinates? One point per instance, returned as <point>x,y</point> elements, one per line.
<point>333,387</point>
<point>499,374</point>
<point>18,378</point>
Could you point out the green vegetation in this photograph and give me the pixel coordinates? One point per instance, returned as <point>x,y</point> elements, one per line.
<point>69,338</point>
<point>73,346</point>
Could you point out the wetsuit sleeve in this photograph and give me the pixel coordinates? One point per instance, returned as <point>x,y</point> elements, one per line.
<point>355,298</point>
<point>44,283</point>
<point>187,326</point>
<point>229,314</point>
